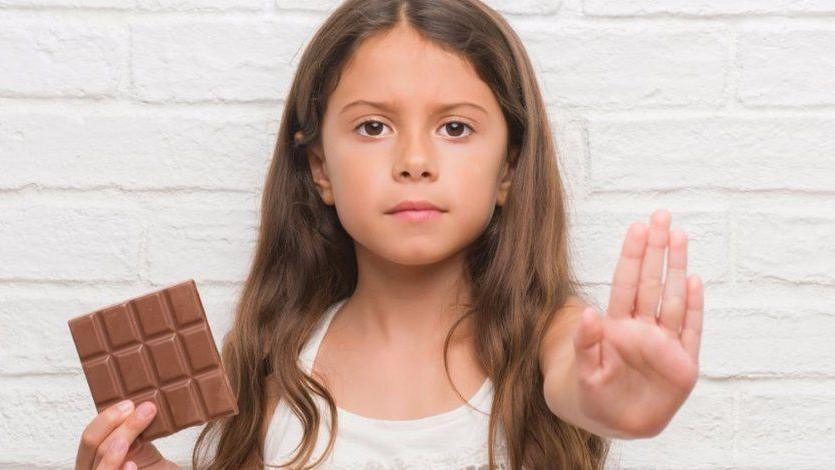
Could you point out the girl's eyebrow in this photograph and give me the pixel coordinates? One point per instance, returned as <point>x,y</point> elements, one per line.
<point>390,108</point>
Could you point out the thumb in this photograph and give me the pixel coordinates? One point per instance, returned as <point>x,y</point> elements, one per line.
<point>587,342</point>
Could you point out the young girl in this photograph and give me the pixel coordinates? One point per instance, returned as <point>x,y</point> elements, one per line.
<point>411,302</point>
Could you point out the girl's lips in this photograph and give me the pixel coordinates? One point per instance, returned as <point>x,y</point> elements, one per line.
<point>417,216</point>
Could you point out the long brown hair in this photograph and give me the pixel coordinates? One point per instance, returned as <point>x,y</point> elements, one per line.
<point>518,272</point>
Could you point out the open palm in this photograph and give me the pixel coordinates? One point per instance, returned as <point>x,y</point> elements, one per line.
<point>635,367</point>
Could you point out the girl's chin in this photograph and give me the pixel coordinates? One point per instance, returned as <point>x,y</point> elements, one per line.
<point>414,255</point>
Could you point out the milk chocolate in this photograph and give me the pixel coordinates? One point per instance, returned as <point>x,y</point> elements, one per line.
<point>156,347</point>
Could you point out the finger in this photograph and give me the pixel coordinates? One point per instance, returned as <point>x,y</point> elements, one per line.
<point>135,423</point>
<point>627,272</point>
<point>650,285</point>
<point>114,454</point>
<point>691,332</point>
<point>134,446</point>
<point>587,343</point>
<point>99,428</point>
<point>674,302</point>
<point>612,361</point>
<point>143,453</point>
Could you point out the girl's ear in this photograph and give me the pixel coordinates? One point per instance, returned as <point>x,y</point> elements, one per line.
<point>507,174</point>
<point>316,160</point>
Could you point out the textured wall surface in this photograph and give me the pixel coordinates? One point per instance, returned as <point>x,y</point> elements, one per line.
<point>135,135</point>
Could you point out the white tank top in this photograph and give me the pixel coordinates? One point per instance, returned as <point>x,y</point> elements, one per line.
<point>453,440</point>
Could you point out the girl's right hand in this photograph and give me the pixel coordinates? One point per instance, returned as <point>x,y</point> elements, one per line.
<point>106,440</point>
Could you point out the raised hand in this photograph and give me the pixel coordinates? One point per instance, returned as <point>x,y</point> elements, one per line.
<point>635,369</point>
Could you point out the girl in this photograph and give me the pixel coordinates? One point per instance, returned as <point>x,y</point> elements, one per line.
<point>412,256</point>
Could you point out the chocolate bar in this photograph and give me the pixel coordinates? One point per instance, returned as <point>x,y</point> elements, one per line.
<point>156,347</point>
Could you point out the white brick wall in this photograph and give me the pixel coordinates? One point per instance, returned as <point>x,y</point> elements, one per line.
<point>134,137</point>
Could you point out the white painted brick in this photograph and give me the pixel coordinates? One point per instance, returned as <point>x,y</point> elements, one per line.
<point>766,342</point>
<point>54,241</point>
<point>526,7</point>
<point>316,5</point>
<point>787,67</point>
<point>625,67</point>
<point>705,423</point>
<point>786,424</point>
<point>54,58</point>
<point>149,5</point>
<point>597,239</point>
<point>75,4</point>
<point>228,60</point>
<point>636,153</point>
<point>43,413</point>
<point>786,246</point>
<point>134,149</point>
<point>198,5</point>
<point>704,7</point>
<point>216,244</point>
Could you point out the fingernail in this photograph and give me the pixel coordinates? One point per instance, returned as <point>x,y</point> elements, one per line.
<point>145,410</point>
<point>125,406</point>
<point>130,466</point>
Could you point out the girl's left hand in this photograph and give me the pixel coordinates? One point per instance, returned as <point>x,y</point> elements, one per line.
<point>633,369</point>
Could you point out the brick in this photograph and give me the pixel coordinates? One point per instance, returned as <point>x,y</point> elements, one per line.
<point>795,417</point>
<point>793,247</point>
<point>135,149</point>
<point>178,242</point>
<point>625,67</point>
<point>199,5</point>
<point>53,241</point>
<point>765,342</point>
<point>637,154</point>
<point>787,68</point>
<point>204,61</point>
<point>62,59</point>
<point>74,4</point>
<point>704,422</point>
<point>705,7</point>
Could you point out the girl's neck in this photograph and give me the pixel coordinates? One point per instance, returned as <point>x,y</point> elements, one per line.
<point>403,304</point>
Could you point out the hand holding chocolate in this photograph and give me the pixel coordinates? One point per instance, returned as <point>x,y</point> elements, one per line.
<point>156,347</point>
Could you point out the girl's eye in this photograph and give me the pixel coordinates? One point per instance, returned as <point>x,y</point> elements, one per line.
<point>375,126</point>
<point>458,127</point>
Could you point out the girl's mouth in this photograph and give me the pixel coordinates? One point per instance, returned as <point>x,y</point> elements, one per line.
<point>417,215</point>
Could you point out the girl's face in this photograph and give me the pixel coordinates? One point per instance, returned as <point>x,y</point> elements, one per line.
<point>418,143</point>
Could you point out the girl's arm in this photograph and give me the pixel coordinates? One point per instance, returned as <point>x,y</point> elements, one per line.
<point>556,361</point>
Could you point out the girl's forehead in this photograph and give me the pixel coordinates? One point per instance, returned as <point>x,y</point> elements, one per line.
<point>400,65</point>
<point>421,81</point>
